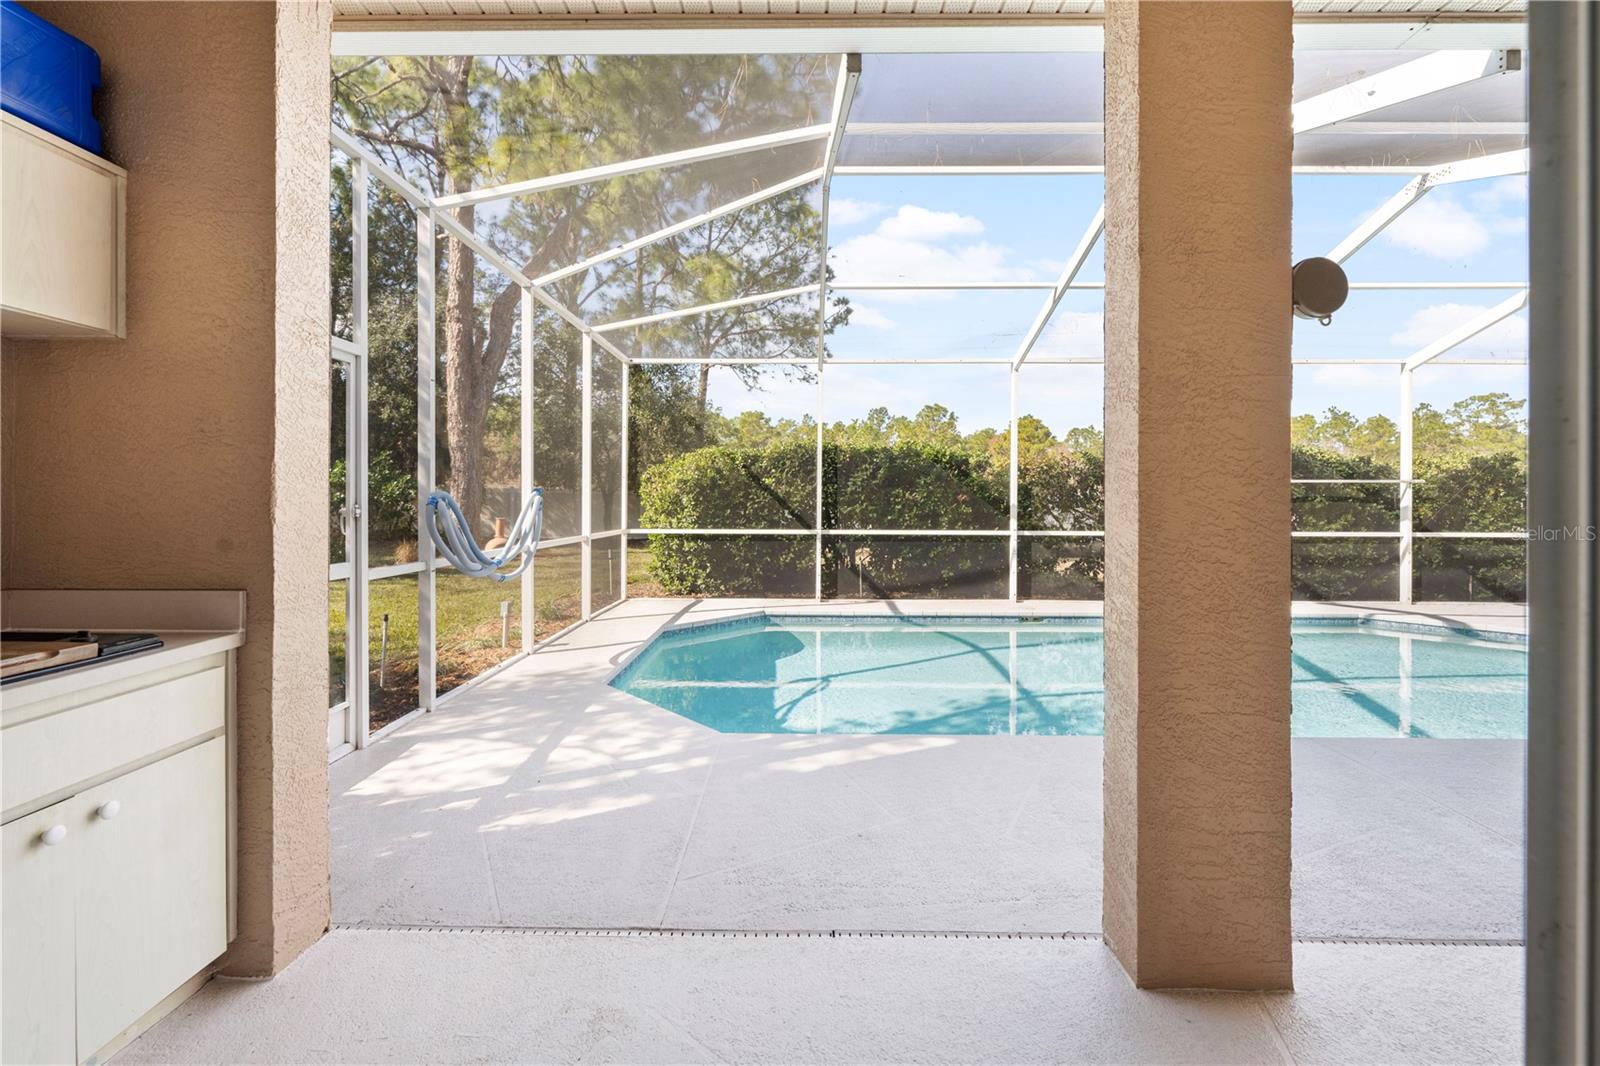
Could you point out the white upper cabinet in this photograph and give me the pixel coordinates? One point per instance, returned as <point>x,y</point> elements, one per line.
<point>61,233</point>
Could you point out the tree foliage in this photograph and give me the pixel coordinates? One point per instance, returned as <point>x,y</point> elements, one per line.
<point>1470,466</point>
<point>921,472</point>
<point>450,124</point>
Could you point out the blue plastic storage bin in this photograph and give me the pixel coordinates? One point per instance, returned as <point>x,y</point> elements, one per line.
<point>48,77</point>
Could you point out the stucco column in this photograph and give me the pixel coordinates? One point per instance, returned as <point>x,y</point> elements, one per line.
<point>194,454</point>
<point>1197,384</point>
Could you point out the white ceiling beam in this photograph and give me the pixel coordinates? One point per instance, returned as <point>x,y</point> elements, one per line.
<point>1467,330</point>
<point>973,129</point>
<point>487,252</point>
<point>1080,255</point>
<point>1408,81</point>
<point>1427,128</point>
<point>701,309</point>
<point>873,170</point>
<point>1500,164</point>
<point>936,286</point>
<point>509,269</point>
<point>1353,127</point>
<point>356,150</point>
<point>676,228</point>
<point>420,200</point>
<point>1373,224</point>
<point>844,95</point>
<point>644,35</point>
<point>637,166</point>
<point>901,169</point>
<point>1436,286</point>
<point>1054,34</point>
<point>1337,31</point>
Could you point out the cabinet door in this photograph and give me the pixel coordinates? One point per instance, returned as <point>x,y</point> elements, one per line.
<point>62,211</point>
<point>152,888</point>
<point>36,932</point>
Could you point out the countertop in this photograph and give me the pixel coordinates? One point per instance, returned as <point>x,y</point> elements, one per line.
<point>191,625</point>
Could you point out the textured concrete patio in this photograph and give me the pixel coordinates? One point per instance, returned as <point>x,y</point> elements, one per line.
<point>507,871</point>
<point>546,798</point>
<point>442,997</point>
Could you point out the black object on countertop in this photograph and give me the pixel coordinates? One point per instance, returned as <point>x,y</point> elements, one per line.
<point>112,646</point>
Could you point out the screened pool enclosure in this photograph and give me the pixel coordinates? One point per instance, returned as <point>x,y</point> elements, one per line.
<point>829,326</point>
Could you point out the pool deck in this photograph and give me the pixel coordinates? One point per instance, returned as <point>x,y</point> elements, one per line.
<point>545,832</point>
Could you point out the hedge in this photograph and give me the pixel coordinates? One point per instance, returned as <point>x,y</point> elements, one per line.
<point>898,486</point>
<point>922,486</point>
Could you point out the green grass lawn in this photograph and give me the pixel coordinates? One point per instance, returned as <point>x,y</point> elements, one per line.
<point>468,621</point>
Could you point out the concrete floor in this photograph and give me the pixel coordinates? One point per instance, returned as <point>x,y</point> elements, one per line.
<point>542,798</point>
<point>444,997</point>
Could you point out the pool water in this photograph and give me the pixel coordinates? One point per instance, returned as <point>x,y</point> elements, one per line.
<point>794,674</point>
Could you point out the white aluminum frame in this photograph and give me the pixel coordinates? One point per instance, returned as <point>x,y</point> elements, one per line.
<point>702,154</point>
<point>759,196</point>
<point>1500,164</point>
<point>702,309</point>
<point>1335,111</point>
<point>1430,73</point>
<point>843,96</point>
<point>889,35</point>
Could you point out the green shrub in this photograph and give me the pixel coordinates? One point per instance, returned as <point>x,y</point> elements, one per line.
<point>911,485</point>
<point>717,488</point>
<point>1479,493</point>
<point>1357,568</point>
<point>908,485</point>
<point>917,485</point>
<point>1465,570</point>
<point>1355,508</point>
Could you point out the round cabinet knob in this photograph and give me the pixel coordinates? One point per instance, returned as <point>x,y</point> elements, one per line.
<point>53,836</point>
<point>109,810</point>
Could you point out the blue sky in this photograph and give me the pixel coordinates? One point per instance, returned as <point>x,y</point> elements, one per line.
<point>1008,228</point>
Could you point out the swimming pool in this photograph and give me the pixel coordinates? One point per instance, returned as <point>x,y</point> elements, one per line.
<point>823,674</point>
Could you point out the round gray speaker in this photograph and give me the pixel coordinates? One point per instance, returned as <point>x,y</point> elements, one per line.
<point>1320,288</point>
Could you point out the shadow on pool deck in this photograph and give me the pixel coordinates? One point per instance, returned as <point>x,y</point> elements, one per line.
<point>546,798</point>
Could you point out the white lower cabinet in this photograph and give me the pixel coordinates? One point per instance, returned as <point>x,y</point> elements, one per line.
<point>35,950</point>
<point>117,895</point>
<point>152,894</point>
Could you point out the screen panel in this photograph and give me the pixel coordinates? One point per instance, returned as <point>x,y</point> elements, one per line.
<point>977,109</point>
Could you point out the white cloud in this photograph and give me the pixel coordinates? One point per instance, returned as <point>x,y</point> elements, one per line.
<point>1349,375</point>
<point>847,212</point>
<point>1512,379</point>
<point>1063,396</point>
<point>913,223</point>
<point>876,257</point>
<point>870,317</point>
<point>1508,337</point>
<point>1073,334</point>
<point>1440,227</point>
<point>1500,193</point>
<point>918,245</point>
<point>1455,224</point>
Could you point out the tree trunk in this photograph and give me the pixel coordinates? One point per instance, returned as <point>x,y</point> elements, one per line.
<point>466,391</point>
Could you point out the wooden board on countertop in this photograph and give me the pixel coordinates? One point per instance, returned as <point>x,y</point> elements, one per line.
<point>26,656</point>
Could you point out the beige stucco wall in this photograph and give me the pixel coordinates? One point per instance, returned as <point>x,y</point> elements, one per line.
<point>194,454</point>
<point>1197,385</point>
